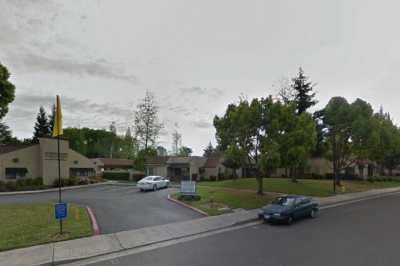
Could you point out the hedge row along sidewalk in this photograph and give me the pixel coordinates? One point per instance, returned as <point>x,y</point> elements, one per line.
<point>24,225</point>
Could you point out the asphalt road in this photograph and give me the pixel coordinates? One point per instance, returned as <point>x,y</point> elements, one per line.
<point>118,208</point>
<point>360,234</point>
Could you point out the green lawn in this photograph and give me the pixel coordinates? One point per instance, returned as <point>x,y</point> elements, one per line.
<point>316,188</point>
<point>215,198</point>
<point>241,193</point>
<point>24,225</point>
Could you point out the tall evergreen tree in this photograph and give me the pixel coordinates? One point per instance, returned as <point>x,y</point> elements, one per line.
<point>42,125</point>
<point>5,134</point>
<point>52,117</point>
<point>303,89</point>
<point>209,150</point>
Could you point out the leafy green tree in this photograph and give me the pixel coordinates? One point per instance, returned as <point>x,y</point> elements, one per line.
<point>270,160</point>
<point>142,157</point>
<point>386,151</point>
<point>7,91</point>
<point>161,151</point>
<point>297,139</point>
<point>303,90</point>
<point>42,126</point>
<point>129,145</point>
<point>338,120</point>
<point>234,158</point>
<point>6,136</point>
<point>146,123</point>
<point>209,150</point>
<point>363,132</point>
<point>185,151</point>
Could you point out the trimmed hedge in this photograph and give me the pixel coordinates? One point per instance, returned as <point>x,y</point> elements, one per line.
<point>22,184</point>
<point>116,175</point>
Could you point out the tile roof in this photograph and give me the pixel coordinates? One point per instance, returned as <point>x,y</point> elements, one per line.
<point>213,160</point>
<point>111,162</point>
<point>14,147</point>
<point>159,160</point>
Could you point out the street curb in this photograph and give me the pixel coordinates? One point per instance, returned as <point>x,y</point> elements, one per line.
<point>359,199</point>
<point>51,189</point>
<point>93,220</point>
<point>186,205</point>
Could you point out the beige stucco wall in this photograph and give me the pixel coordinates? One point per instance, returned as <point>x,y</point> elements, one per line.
<point>27,158</point>
<point>158,170</point>
<point>41,160</point>
<point>77,160</point>
<point>49,159</point>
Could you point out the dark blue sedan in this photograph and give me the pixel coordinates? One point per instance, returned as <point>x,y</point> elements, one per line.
<point>286,209</point>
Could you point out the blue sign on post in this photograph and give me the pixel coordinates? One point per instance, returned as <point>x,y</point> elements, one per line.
<point>60,210</point>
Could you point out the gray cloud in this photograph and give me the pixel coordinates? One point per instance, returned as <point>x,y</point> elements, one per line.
<point>202,124</point>
<point>77,112</point>
<point>99,68</point>
<point>195,90</point>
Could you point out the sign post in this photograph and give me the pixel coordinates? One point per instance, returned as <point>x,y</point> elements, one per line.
<point>61,211</point>
<point>60,208</point>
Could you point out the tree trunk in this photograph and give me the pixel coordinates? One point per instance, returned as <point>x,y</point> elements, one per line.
<point>260,185</point>
<point>293,174</point>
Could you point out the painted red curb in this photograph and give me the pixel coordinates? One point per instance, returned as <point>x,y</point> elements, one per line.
<point>95,226</point>
<point>186,205</point>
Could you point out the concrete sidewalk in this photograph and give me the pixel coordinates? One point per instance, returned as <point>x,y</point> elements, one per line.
<point>68,251</point>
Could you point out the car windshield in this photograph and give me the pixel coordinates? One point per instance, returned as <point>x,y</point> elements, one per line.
<point>283,201</point>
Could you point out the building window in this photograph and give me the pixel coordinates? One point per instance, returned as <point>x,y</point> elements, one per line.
<point>15,173</point>
<point>15,160</point>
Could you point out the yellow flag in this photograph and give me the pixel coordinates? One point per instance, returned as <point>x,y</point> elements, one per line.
<point>58,129</point>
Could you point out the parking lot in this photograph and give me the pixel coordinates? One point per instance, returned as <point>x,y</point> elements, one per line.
<point>117,208</point>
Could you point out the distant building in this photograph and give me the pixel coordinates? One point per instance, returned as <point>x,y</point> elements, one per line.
<point>191,167</point>
<point>109,164</point>
<point>41,160</point>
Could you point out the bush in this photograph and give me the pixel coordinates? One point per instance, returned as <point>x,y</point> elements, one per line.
<point>189,197</point>
<point>116,175</point>
<point>213,178</point>
<point>2,186</point>
<point>11,186</point>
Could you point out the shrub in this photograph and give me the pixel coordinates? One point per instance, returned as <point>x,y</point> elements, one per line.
<point>213,178</point>
<point>11,186</point>
<point>2,186</point>
<point>189,197</point>
<point>116,175</point>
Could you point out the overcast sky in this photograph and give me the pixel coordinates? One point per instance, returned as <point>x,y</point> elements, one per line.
<point>195,56</point>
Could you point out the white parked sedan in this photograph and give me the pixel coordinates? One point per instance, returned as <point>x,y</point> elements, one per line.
<point>153,183</point>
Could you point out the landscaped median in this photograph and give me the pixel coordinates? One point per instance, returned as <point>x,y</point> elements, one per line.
<point>23,225</point>
<point>223,196</point>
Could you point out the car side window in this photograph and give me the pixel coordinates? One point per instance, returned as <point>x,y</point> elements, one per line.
<point>156,179</point>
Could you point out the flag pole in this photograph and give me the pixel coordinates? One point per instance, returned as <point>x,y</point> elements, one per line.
<point>59,178</point>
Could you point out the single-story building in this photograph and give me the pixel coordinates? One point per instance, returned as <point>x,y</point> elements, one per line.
<point>109,164</point>
<point>176,167</point>
<point>41,160</point>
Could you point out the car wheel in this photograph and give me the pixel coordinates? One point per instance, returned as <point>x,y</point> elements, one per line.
<point>154,187</point>
<point>141,190</point>
<point>313,213</point>
<point>290,220</point>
